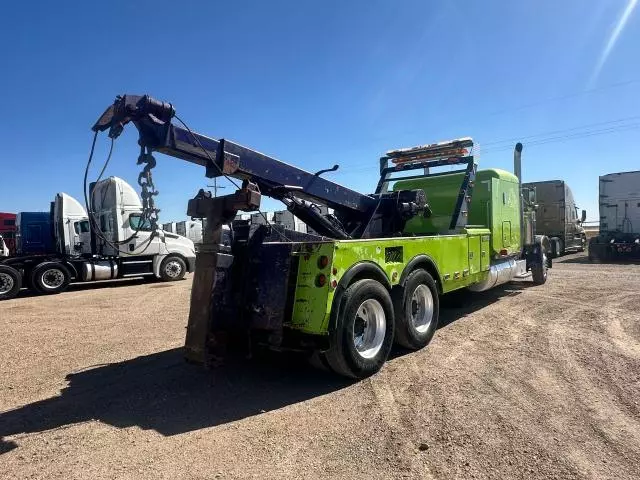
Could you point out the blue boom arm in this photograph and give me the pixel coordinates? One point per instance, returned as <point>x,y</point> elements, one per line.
<point>274,177</point>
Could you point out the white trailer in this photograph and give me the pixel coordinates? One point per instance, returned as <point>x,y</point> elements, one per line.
<point>619,234</point>
<point>290,221</point>
<point>169,227</point>
<point>192,229</point>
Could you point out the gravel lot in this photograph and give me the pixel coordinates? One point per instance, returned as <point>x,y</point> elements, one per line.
<point>521,382</point>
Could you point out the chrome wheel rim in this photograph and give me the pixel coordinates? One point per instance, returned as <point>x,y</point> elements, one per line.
<point>421,308</point>
<point>173,269</point>
<point>369,328</point>
<point>6,283</point>
<point>52,278</point>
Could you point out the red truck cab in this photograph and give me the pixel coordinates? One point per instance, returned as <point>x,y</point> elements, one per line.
<point>8,230</point>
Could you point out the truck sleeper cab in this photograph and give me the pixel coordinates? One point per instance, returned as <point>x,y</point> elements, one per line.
<point>557,216</point>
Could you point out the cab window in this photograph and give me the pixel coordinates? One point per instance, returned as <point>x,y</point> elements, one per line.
<point>81,227</point>
<point>136,222</point>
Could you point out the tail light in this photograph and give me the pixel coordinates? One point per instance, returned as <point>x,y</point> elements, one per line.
<point>323,261</point>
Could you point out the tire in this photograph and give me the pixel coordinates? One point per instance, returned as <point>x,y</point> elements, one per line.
<point>50,278</point>
<point>561,249</point>
<point>417,307</point>
<point>539,272</point>
<point>363,336</point>
<point>172,268</point>
<point>10,282</point>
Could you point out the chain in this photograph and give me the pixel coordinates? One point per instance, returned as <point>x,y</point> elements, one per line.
<point>145,180</point>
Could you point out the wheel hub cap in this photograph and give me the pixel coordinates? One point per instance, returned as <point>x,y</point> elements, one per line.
<point>421,308</point>
<point>369,328</point>
<point>173,269</point>
<point>6,283</point>
<point>52,278</point>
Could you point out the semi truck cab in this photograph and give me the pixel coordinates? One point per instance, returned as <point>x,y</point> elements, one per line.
<point>557,216</point>
<point>118,212</point>
<point>71,226</point>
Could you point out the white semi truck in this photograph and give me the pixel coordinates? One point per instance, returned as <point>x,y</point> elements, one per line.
<point>80,254</point>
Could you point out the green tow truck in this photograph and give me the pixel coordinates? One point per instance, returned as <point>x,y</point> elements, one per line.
<point>378,265</point>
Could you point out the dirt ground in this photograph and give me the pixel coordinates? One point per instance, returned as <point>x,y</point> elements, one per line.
<point>521,382</point>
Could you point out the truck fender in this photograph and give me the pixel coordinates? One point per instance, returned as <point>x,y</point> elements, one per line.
<point>157,261</point>
<point>360,270</point>
<point>424,261</point>
<point>72,269</point>
<point>364,269</point>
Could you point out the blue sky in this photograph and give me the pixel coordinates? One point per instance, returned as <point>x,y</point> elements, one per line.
<point>318,83</point>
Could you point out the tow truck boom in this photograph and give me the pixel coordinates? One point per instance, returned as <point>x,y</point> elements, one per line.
<point>222,157</point>
<point>220,289</point>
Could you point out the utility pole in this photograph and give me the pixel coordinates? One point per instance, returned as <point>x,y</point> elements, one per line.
<point>215,187</point>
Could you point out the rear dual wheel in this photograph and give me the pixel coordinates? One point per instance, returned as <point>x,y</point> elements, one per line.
<point>368,318</point>
<point>363,336</point>
<point>417,309</point>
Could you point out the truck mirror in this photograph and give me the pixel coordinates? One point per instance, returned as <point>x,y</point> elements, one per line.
<point>532,196</point>
<point>583,217</point>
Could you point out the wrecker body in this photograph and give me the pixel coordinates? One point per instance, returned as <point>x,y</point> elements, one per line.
<point>376,268</point>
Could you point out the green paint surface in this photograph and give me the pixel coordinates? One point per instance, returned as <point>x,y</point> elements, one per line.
<point>457,258</point>
<point>461,259</point>
<point>494,205</point>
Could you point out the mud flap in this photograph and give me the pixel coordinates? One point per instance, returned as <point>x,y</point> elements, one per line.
<point>537,253</point>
